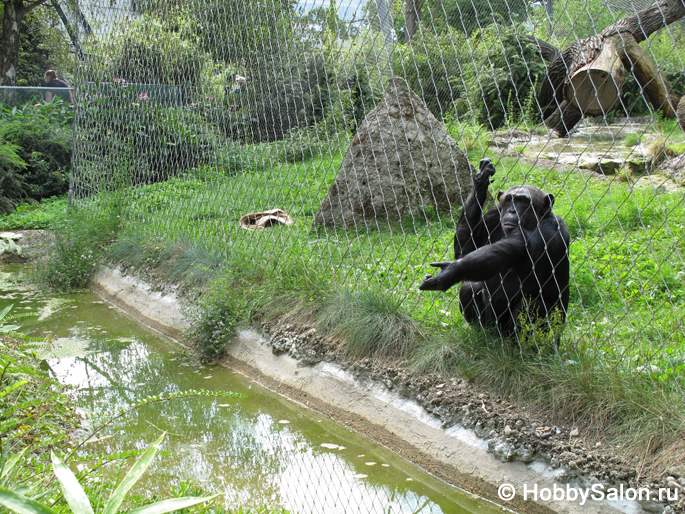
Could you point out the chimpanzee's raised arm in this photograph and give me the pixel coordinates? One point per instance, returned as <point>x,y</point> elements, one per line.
<point>474,230</point>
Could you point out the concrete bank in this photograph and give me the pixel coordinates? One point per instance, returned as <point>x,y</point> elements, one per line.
<point>456,455</point>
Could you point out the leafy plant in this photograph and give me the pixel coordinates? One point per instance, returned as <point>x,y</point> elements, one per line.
<point>35,155</point>
<point>7,328</point>
<point>7,243</point>
<point>78,501</point>
<point>81,240</point>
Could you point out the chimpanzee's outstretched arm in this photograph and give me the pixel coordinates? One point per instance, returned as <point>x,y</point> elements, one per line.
<point>474,229</point>
<point>479,265</point>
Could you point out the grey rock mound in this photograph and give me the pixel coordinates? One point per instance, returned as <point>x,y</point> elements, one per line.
<point>401,162</point>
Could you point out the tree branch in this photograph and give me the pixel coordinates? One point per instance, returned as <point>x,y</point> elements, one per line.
<point>32,5</point>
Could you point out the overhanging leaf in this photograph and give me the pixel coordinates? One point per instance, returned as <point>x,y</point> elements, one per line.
<point>73,492</point>
<point>22,504</point>
<point>170,505</point>
<point>132,477</point>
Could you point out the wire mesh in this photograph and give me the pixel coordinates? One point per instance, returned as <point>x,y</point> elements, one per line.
<point>199,113</point>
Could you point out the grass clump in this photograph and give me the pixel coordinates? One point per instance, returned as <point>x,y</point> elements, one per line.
<point>368,323</point>
<point>81,242</point>
<point>189,265</point>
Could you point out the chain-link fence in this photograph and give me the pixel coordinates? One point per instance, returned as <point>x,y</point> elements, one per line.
<point>200,113</point>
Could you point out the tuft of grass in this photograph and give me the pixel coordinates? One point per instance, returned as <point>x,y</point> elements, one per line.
<point>188,265</point>
<point>631,140</point>
<point>81,242</point>
<point>369,324</point>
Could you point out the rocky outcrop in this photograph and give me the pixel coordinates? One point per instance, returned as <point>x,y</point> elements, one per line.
<point>402,162</point>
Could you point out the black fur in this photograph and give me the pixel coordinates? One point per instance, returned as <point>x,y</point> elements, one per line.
<point>513,259</point>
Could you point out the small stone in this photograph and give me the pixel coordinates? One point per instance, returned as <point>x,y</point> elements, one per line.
<point>574,433</point>
<point>508,431</point>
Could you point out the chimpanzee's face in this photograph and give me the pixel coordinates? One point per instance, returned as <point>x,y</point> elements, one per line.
<point>522,206</point>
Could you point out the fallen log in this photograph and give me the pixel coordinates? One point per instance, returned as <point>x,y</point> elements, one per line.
<point>586,79</point>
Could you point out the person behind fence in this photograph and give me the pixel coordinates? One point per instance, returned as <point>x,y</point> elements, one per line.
<point>242,84</point>
<point>51,80</point>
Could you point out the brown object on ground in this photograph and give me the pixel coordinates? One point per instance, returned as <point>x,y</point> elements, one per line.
<point>680,113</point>
<point>401,162</point>
<point>260,220</point>
<point>587,77</point>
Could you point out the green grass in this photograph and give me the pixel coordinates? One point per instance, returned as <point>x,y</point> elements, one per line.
<point>33,216</point>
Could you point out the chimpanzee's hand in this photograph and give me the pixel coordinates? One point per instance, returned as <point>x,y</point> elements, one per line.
<point>484,177</point>
<point>447,277</point>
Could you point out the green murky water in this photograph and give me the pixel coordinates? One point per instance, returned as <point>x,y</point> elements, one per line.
<point>261,449</point>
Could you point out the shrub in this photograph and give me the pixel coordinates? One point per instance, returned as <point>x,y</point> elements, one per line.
<point>433,65</point>
<point>35,153</point>
<point>125,140</point>
<point>499,87</point>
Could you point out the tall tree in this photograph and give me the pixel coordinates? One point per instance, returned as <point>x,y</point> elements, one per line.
<point>10,42</point>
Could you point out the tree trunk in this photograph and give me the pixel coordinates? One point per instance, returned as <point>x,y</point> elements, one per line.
<point>680,111</point>
<point>411,19</point>
<point>14,11</point>
<point>595,88</point>
<point>652,81</point>
<point>9,43</point>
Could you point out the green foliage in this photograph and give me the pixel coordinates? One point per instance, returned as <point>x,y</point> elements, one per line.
<point>44,45</point>
<point>470,16</point>
<point>151,50</point>
<point>35,216</point>
<point>435,65</point>
<point>128,140</point>
<point>57,111</point>
<point>35,152</point>
<point>77,498</point>
<point>364,98</point>
<point>472,137</point>
<point>35,410</point>
<point>498,89</point>
<point>368,324</point>
<point>6,328</point>
<point>81,242</point>
<point>223,310</point>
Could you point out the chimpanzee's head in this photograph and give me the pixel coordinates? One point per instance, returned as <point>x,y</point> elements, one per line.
<point>523,206</point>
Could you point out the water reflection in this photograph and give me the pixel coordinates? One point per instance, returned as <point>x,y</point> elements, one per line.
<point>260,449</point>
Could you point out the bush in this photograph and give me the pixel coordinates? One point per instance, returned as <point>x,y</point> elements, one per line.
<point>499,87</point>
<point>125,140</point>
<point>434,65</point>
<point>35,153</point>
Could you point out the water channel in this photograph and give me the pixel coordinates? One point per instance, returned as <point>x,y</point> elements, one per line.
<point>257,450</point>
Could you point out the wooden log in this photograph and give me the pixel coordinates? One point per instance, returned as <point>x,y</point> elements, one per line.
<point>652,81</point>
<point>595,88</point>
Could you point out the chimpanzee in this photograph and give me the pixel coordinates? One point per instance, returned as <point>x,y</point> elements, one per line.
<point>513,260</point>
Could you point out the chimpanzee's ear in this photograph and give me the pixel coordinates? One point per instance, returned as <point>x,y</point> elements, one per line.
<point>549,202</point>
<point>499,195</point>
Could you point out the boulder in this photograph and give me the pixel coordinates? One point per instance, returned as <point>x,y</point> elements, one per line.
<point>401,162</point>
